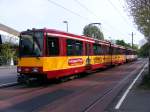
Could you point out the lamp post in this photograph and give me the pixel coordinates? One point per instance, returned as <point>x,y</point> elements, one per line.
<point>96,24</point>
<point>66,22</point>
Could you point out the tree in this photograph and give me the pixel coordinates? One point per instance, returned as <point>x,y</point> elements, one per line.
<point>135,47</point>
<point>143,52</point>
<point>93,31</point>
<point>127,45</point>
<point>0,40</point>
<point>122,43</point>
<point>140,10</point>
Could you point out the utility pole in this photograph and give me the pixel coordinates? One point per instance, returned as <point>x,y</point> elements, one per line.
<point>132,40</point>
<point>132,35</point>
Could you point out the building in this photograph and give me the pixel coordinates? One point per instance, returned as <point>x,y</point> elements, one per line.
<point>8,34</point>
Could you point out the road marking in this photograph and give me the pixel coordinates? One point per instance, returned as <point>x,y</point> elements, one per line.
<point>8,84</point>
<point>129,88</point>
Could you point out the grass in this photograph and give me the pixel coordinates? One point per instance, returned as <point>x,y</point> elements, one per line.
<point>145,82</point>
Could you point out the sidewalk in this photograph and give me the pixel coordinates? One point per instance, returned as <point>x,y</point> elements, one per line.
<point>138,99</point>
<point>8,67</point>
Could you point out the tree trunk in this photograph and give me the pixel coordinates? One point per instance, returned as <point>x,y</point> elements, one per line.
<point>149,56</point>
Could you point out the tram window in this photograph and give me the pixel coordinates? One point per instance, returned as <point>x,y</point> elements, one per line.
<point>121,51</point>
<point>97,49</point>
<point>52,46</point>
<point>127,52</point>
<point>70,47</point>
<point>74,47</point>
<point>87,49</point>
<point>106,50</point>
<point>118,51</point>
<point>114,51</point>
<point>78,48</point>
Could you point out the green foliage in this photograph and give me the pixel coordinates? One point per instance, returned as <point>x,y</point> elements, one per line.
<point>127,45</point>
<point>93,31</point>
<point>122,43</point>
<point>143,52</point>
<point>145,83</point>
<point>140,10</point>
<point>6,53</point>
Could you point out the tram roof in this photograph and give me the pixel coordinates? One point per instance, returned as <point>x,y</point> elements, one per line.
<point>54,32</point>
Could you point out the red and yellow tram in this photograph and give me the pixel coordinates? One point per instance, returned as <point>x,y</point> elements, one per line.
<point>53,54</point>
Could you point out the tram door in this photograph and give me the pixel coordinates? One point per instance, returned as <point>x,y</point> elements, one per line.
<point>88,53</point>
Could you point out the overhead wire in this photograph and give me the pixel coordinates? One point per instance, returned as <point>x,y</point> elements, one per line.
<point>91,12</point>
<point>83,6</point>
<point>61,6</point>
<point>116,9</point>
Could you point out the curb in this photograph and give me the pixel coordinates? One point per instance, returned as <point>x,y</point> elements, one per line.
<point>9,84</point>
<point>7,67</point>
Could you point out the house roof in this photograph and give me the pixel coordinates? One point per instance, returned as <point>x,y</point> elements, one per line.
<point>9,30</point>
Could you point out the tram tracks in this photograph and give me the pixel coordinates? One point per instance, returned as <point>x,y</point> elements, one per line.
<point>90,96</point>
<point>111,92</point>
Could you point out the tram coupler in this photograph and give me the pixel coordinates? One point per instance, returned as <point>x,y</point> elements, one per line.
<point>24,79</point>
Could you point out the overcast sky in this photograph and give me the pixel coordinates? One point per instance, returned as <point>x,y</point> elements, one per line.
<point>112,14</point>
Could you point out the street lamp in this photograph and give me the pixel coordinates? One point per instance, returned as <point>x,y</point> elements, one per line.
<point>95,23</point>
<point>66,22</point>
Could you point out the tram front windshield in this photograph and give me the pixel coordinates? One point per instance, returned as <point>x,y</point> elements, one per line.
<point>31,44</point>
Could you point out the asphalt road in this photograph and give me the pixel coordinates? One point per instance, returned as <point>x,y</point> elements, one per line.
<point>8,75</point>
<point>93,93</point>
<point>137,100</point>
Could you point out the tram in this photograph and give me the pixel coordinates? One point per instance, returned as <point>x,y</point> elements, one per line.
<point>52,54</point>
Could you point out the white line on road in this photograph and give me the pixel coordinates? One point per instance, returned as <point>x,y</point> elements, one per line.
<point>8,84</point>
<point>129,88</point>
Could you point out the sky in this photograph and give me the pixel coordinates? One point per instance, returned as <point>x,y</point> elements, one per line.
<point>116,22</point>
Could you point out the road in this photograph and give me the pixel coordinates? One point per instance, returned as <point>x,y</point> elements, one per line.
<point>93,93</point>
<point>8,75</point>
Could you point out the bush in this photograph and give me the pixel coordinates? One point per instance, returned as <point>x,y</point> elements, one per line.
<point>145,81</point>
<point>6,53</point>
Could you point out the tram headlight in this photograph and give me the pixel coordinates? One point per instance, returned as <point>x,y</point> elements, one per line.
<point>35,70</point>
<point>19,69</point>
